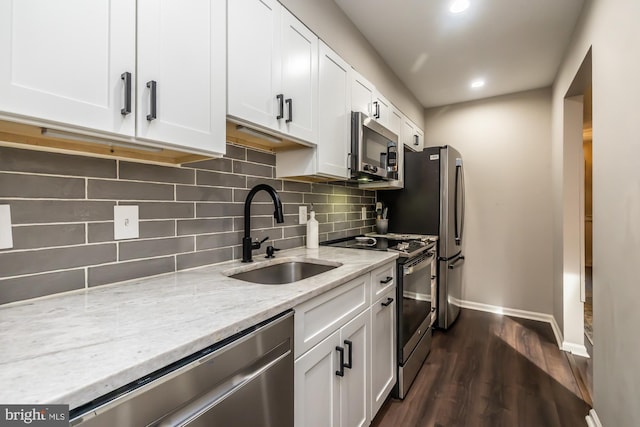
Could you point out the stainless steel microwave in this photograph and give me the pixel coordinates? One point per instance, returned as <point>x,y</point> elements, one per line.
<point>374,153</point>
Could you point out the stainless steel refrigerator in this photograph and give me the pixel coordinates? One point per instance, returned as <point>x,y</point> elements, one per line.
<point>432,202</point>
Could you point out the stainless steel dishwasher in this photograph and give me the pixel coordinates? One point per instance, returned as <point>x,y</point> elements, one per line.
<point>246,380</point>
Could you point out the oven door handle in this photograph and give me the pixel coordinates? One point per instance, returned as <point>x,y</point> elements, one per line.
<point>420,266</point>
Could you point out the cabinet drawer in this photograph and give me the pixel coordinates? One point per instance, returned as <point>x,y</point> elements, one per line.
<point>317,318</point>
<point>380,283</point>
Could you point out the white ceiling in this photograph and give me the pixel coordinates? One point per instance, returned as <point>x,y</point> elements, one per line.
<point>514,45</point>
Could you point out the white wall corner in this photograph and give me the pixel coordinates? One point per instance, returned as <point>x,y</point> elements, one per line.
<point>592,419</point>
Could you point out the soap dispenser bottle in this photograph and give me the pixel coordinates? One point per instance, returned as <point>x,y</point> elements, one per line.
<point>312,230</point>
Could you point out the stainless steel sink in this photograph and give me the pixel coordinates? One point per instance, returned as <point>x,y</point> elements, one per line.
<point>285,272</point>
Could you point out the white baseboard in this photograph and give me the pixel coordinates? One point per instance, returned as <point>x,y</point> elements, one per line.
<point>592,419</point>
<point>531,315</point>
<point>577,349</point>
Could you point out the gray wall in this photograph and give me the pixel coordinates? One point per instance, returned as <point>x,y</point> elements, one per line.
<point>610,28</point>
<point>506,146</point>
<point>329,22</point>
<point>62,212</point>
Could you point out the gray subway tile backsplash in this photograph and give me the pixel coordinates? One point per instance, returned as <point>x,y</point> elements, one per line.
<point>219,165</point>
<point>156,173</point>
<point>38,285</point>
<point>162,210</point>
<point>41,186</point>
<point>220,179</point>
<point>62,211</point>
<point>137,249</point>
<point>14,263</point>
<point>105,274</point>
<point>40,162</point>
<point>126,190</point>
<point>261,157</point>
<point>52,211</point>
<point>253,169</point>
<point>199,193</point>
<point>203,226</point>
<point>44,236</point>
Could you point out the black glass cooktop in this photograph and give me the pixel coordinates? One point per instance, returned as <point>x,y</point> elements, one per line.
<point>404,247</point>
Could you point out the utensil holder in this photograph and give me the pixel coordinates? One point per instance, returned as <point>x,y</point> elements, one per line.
<point>382,225</point>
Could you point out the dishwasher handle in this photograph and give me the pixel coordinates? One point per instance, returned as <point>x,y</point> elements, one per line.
<point>194,409</point>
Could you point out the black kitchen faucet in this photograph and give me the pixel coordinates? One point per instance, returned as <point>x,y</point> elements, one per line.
<point>247,244</point>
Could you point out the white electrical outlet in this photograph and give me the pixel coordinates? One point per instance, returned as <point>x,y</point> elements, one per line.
<point>302,214</point>
<point>125,222</point>
<point>6,236</point>
<point>364,213</point>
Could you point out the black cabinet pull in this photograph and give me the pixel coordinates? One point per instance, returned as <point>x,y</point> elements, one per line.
<point>340,372</point>
<point>280,98</point>
<point>349,354</point>
<point>126,77</point>
<point>376,110</point>
<point>417,140</point>
<point>289,102</point>
<point>386,280</point>
<point>389,301</point>
<point>153,86</point>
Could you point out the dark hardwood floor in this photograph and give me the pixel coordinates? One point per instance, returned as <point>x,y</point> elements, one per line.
<point>491,370</point>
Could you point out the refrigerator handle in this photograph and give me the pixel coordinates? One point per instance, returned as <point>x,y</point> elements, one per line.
<point>456,206</point>
<point>462,211</point>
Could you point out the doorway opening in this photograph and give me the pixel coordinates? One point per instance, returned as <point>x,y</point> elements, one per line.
<point>587,146</point>
<point>577,287</point>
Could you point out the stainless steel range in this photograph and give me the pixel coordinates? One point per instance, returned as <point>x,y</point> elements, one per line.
<point>416,288</point>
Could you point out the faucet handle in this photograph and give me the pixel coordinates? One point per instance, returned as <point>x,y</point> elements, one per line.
<point>257,244</point>
<point>270,251</point>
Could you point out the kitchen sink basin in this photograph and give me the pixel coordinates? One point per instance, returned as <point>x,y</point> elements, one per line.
<point>284,272</point>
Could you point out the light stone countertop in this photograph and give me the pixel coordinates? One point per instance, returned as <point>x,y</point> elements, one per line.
<point>77,346</point>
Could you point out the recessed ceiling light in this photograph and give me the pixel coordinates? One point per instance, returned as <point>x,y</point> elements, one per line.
<point>458,6</point>
<point>476,84</point>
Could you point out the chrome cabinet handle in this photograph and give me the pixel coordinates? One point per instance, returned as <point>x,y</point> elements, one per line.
<point>349,364</point>
<point>289,102</point>
<point>280,99</point>
<point>126,77</point>
<point>152,84</point>
<point>387,303</point>
<point>340,372</point>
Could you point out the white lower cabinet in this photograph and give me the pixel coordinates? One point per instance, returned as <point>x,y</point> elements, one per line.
<point>383,349</point>
<point>316,385</point>
<point>345,352</point>
<point>331,380</point>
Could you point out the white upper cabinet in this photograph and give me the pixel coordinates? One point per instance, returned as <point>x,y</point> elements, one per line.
<point>329,157</point>
<point>361,94</point>
<point>418,142</point>
<point>299,79</point>
<point>182,73</point>
<point>62,61</point>
<point>272,69</point>
<point>412,136</point>
<point>153,72</point>
<point>334,114</point>
<point>254,66</point>
<point>381,109</point>
<point>396,119</point>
